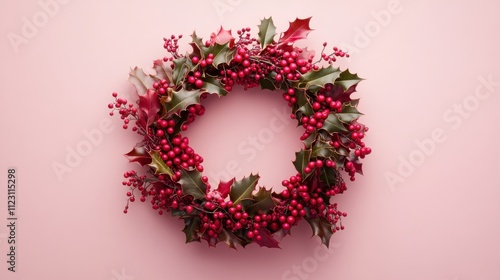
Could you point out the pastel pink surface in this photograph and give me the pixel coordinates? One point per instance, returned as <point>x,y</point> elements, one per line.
<point>425,65</point>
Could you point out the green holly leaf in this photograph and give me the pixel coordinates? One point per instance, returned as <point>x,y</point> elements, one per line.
<point>302,158</point>
<point>140,80</point>
<point>332,124</point>
<point>192,228</point>
<point>241,191</point>
<point>163,72</point>
<point>212,85</point>
<point>315,80</point>
<point>222,53</point>
<point>310,140</point>
<point>266,83</point>
<point>159,165</point>
<point>139,155</point>
<point>267,31</point>
<point>298,29</point>
<point>346,79</point>
<point>329,176</point>
<point>322,228</point>
<point>262,201</point>
<point>349,113</point>
<point>182,66</point>
<point>322,149</point>
<point>198,46</point>
<point>303,105</point>
<point>231,239</point>
<point>267,239</point>
<point>192,184</point>
<point>181,100</point>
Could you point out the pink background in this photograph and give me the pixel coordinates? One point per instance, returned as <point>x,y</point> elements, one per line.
<point>439,221</point>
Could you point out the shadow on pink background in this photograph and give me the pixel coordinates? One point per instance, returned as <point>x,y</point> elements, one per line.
<point>427,207</point>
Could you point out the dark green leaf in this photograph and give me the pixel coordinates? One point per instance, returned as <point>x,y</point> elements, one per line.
<point>158,164</point>
<point>212,85</point>
<point>303,105</point>
<point>302,158</point>
<point>346,79</point>
<point>349,113</point>
<point>267,31</point>
<point>262,201</point>
<point>222,53</point>
<point>181,100</point>
<point>191,229</point>
<point>181,69</point>
<point>332,124</point>
<point>192,184</point>
<point>329,176</point>
<point>314,80</point>
<point>231,239</point>
<point>266,83</point>
<point>322,228</point>
<point>241,191</point>
<point>322,149</point>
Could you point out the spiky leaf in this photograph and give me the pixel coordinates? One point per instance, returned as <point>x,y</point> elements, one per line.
<point>322,228</point>
<point>302,158</point>
<point>140,80</point>
<point>262,201</point>
<point>162,71</point>
<point>241,191</point>
<point>222,53</point>
<point>347,79</point>
<point>267,239</point>
<point>332,124</point>
<point>182,66</point>
<point>191,229</point>
<point>139,155</point>
<point>315,80</point>
<point>349,113</point>
<point>212,85</point>
<point>303,105</point>
<point>192,184</point>
<point>159,165</point>
<point>149,106</point>
<point>267,31</point>
<point>181,100</point>
<point>329,176</point>
<point>225,187</point>
<point>231,239</point>
<point>297,30</point>
<point>322,149</point>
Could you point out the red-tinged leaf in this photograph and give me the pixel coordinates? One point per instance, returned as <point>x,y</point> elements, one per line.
<point>192,184</point>
<point>222,37</point>
<point>322,228</point>
<point>181,100</point>
<point>241,191</point>
<point>192,229</point>
<point>163,72</point>
<point>231,239</point>
<point>262,202</point>
<point>149,106</point>
<point>267,239</point>
<point>139,155</point>
<point>159,165</point>
<point>337,92</point>
<point>225,187</point>
<point>305,54</point>
<point>297,30</point>
<point>267,31</point>
<point>140,80</point>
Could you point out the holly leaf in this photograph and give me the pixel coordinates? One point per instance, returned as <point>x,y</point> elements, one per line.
<point>199,48</point>
<point>222,53</point>
<point>267,239</point>
<point>302,158</point>
<point>332,124</point>
<point>322,228</point>
<point>159,165</point>
<point>140,80</point>
<point>225,187</point>
<point>303,105</point>
<point>310,140</point>
<point>298,29</point>
<point>181,100</point>
<point>192,228</point>
<point>181,68</point>
<point>149,106</point>
<point>267,31</point>
<point>346,79</point>
<point>329,176</point>
<point>266,83</point>
<point>315,80</point>
<point>349,113</point>
<point>322,149</point>
<point>162,71</point>
<point>192,184</point>
<point>212,85</point>
<point>241,191</point>
<point>262,201</point>
<point>222,37</point>
<point>139,155</point>
<point>231,239</point>
<point>337,92</point>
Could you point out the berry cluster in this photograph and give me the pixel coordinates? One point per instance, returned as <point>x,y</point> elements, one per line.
<point>169,101</point>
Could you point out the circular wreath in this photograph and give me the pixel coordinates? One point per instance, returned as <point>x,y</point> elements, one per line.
<point>236,212</point>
